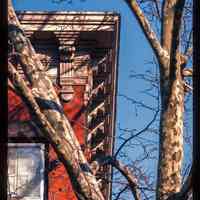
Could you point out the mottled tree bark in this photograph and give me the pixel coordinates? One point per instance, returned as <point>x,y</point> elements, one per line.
<point>171,139</point>
<point>45,106</point>
<point>172,103</point>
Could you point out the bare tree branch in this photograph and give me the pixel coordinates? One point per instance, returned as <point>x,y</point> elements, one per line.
<point>157,8</point>
<point>187,72</point>
<point>137,134</point>
<point>125,171</point>
<point>121,191</point>
<point>187,87</point>
<point>161,54</point>
<point>138,103</point>
<point>175,37</point>
<point>167,23</point>
<point>129,176</point>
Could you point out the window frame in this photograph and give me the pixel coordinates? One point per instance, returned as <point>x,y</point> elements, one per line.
<point>44,147</point>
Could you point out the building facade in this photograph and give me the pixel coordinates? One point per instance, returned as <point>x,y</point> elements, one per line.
<point>79,51</point>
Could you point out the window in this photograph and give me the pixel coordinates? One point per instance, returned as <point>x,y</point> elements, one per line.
<point>25,171</point>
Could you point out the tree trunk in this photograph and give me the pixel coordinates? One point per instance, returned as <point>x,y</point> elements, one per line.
<point>48,113</point>
<point>171,136</point>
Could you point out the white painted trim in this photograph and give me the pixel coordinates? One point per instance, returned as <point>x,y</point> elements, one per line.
<point>42,149</point>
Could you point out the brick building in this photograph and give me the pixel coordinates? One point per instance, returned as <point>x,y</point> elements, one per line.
<point>79,51</point>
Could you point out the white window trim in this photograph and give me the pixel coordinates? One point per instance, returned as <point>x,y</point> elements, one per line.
<point>42,172</point>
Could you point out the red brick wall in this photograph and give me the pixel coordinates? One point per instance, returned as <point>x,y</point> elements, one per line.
<point>17,110</point>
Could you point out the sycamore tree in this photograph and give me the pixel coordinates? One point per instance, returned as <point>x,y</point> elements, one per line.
<point>167,27</point>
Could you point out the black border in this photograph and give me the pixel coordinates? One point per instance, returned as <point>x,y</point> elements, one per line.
<point>3,99</point>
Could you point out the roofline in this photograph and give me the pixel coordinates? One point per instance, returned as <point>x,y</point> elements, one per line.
<point>69,12</point>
